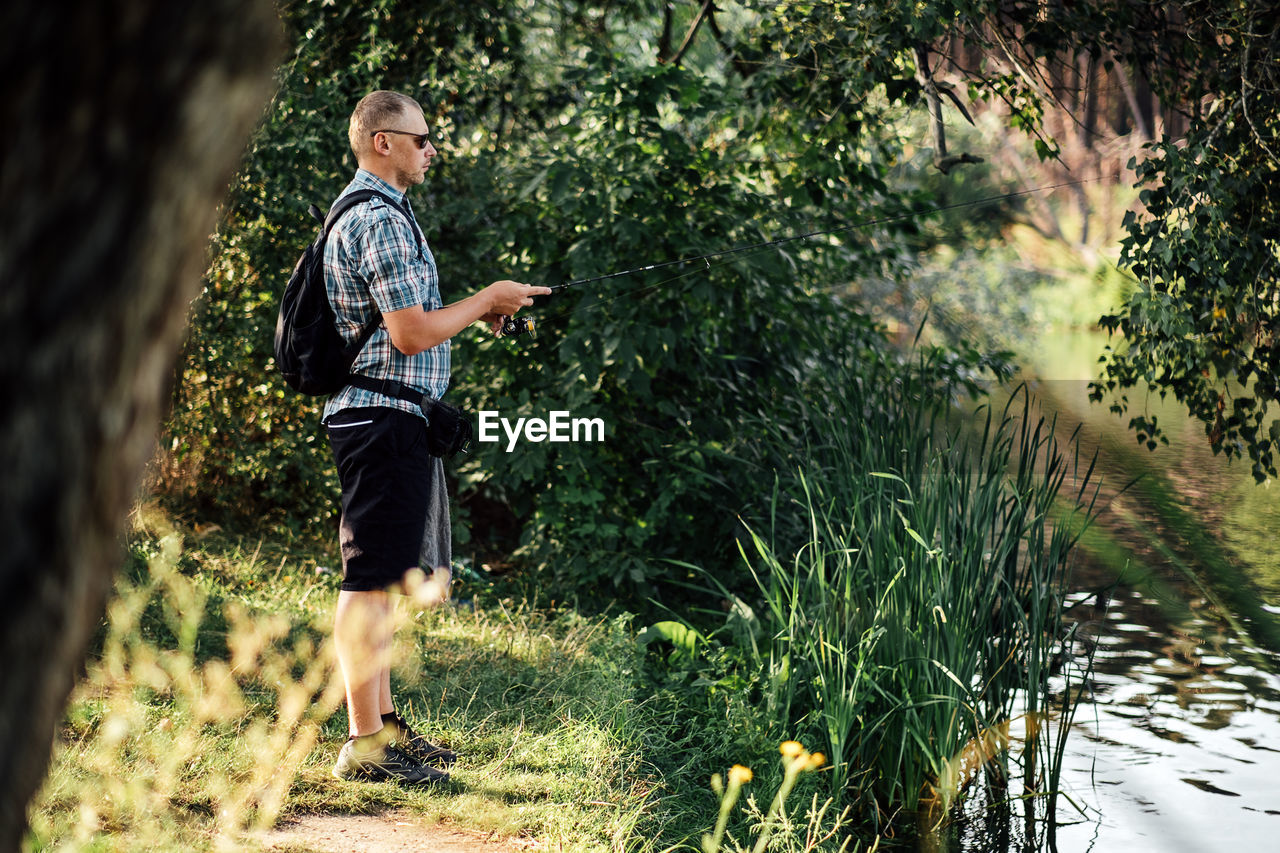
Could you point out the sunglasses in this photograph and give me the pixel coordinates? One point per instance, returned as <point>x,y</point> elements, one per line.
<point>422,139</point>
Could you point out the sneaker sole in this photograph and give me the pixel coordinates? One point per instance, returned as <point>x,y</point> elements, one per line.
<point>368,776</point>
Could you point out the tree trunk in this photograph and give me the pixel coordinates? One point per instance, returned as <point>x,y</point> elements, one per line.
<point>125,120</point>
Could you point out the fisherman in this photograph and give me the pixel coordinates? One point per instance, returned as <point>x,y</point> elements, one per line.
<point>395,515</point>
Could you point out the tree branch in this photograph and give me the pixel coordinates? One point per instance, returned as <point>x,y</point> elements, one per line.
<point>707,6</point>
<point>1132,97</point>
<point>941,160</point>
<point>664,41</point>
<point>744,69</point>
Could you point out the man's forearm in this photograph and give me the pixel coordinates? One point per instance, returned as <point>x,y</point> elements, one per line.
<point>420,330</point>
<point>413,330</point>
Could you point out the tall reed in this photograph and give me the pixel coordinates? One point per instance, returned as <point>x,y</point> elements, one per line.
<point>910,588</point>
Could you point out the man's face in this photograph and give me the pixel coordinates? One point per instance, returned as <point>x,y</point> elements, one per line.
<point>408,159</point>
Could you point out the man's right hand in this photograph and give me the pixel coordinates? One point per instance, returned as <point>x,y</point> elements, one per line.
<point>415,329</point>
<point>508,297</point>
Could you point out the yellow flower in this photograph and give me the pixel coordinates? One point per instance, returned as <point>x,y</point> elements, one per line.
<point>739,775</point>
<point>790,749</point>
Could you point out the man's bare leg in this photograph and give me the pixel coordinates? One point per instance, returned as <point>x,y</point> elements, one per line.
<point>362,635</point>
<point>362,630</point>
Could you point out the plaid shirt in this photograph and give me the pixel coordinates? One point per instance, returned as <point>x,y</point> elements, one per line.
<point>373,265</point>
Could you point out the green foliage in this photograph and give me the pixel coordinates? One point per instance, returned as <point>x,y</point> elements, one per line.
<point>1200,325</point>
<point>568,152</point>
<point>908,601</point>
<point>674,362</point>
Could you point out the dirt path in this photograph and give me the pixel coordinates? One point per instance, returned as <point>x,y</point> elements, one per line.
<point>389,832</point>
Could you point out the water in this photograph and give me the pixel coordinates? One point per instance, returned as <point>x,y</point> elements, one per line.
<point>1180,747</point>
<point>1177,746</point>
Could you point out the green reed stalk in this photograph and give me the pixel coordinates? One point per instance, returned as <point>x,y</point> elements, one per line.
<point>912,587</point>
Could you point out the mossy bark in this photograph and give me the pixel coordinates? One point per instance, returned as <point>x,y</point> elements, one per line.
<point>125,122</point>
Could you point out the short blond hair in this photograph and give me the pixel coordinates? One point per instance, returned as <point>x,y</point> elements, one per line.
<point>374,112</point>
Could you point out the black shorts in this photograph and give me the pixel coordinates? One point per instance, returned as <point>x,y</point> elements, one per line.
<point>392,496</point>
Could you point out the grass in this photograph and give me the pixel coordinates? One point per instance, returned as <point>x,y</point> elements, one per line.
<point>209,711</point>
<point>926,602</point>
<point>909,607</point>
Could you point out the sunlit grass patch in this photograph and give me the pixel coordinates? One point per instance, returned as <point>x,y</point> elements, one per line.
<point>210,709</point>
<point>166,747</point>
<point>539,709</point>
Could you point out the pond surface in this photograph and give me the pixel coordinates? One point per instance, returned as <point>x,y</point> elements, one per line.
<point>1177,593</point>
<point>1180,747</point>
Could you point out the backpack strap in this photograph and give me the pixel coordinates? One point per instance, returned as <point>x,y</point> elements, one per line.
<point>340,207</point>
<point>351,199</point>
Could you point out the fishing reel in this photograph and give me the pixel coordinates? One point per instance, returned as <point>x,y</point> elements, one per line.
<point>513,326</point>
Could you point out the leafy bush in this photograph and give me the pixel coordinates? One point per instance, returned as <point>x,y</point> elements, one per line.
<point>909,589</point>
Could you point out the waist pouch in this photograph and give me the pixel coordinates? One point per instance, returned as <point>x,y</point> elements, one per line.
<point>449,428</point>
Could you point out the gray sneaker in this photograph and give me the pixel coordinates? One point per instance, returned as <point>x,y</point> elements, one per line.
<point>391,765</point>
<point>417,746</point>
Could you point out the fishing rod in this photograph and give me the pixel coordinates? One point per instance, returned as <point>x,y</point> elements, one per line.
<point>522,325</point>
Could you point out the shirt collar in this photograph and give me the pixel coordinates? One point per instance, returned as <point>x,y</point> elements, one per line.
<point>371,181</point>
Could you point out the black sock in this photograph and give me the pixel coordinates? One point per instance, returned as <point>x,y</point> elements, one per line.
<point>393,723</point>
<point>371,743</point>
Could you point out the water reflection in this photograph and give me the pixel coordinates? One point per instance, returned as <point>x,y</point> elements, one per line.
<point>1178,749</point>
<point>1177,746</point>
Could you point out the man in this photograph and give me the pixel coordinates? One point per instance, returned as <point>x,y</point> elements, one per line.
<point>395,515</point>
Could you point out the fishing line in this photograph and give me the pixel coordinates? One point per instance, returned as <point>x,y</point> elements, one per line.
<point>643,291</point>
<point>604,300</point>
<point>759,247</point>
<point>809,235</point>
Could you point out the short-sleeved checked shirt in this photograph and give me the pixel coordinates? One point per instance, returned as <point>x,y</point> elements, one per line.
<point>373,263</point>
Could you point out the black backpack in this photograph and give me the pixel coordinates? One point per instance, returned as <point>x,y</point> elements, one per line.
<point>310,352</point>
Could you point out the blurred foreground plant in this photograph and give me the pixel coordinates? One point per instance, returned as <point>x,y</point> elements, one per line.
<point>145,761</point>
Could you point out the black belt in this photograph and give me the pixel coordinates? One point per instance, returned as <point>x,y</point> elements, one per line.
<point>448,429</point>
<point>391,388</point>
